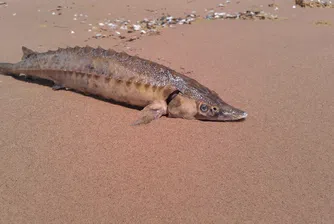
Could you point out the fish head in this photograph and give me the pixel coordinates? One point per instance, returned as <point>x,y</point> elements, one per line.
<point>203,105</point>
<point>220,111</point>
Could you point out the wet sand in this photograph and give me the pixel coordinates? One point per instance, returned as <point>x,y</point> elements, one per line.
<point>70,158</point>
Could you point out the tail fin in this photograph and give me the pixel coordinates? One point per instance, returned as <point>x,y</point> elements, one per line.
<point>27,52</point>
<point>6,68</point>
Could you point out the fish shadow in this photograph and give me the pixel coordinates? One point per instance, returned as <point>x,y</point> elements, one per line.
<point>49,83</point>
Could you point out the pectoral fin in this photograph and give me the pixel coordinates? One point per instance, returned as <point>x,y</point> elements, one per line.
<point>152,112</point>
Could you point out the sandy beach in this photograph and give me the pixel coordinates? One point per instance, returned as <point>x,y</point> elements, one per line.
<point>70,158</point>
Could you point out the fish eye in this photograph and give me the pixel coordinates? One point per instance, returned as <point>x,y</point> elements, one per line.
<point>204,107</point>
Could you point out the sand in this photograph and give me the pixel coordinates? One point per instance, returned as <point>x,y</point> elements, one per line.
<point>70,158</point>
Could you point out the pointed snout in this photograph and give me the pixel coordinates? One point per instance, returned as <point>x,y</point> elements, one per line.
<point>232,114</point>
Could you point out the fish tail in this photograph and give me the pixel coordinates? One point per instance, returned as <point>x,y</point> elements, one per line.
<point>6,68</point>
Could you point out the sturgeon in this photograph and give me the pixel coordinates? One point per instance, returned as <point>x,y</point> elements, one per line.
<point>118,76</point>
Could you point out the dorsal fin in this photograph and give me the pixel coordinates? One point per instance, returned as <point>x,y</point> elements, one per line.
<point>26,52</point>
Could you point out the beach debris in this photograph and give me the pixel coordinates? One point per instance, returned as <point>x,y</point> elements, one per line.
<point>136,27</point>
<point>79,17</point>
<point>323,23</point>
<point>122,28</point>
<point>247,15</point>
<point>145,26</point>
<point>315,3</point>
<point>153,26</point>
<point>112,25</point>
<point>132,39</point>
<point>57,10</point>
<point>273,5</point>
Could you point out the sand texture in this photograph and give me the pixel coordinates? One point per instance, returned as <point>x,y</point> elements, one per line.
<point>70,158</point>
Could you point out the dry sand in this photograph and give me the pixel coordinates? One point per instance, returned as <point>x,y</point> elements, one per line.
<point>69,158</point>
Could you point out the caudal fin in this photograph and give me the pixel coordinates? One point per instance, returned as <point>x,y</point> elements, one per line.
<point>6,68</point>
<point>27,52</point>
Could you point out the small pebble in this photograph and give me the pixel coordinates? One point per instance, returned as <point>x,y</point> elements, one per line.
<point>53,13</point>
<point>136,27</point>
<point>14,14</point>
<point>72,32</point>
<point>294,7</point>
<point>123,27</point>
<point>101,24</point>
<point>112,25</point>
<point>118,33</point>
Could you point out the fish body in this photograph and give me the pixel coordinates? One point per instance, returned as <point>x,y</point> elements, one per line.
<point>128,79</point>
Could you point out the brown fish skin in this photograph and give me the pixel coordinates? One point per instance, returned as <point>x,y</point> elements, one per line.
<point>125,78</point>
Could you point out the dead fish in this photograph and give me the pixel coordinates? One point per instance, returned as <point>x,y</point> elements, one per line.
<point>121,77</point>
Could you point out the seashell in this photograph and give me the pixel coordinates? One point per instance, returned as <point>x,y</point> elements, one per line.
<point>136,27</point>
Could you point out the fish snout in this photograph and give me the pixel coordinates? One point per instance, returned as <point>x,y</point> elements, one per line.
<point>232,114</point>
